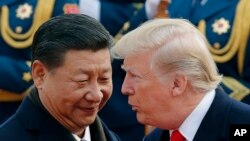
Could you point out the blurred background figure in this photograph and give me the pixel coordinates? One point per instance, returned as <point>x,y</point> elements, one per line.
<point>225,23</point>
<point>111,13</point>
<point>117,114</point>
<point>19,21</point>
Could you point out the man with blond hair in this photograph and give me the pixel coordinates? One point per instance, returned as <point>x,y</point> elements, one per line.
<point>172,83</point>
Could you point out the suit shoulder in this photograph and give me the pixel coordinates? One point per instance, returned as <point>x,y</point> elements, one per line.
<point>109,134</point>
<point>240,112</point>
<point>12,125</point>
<point>156,135</point>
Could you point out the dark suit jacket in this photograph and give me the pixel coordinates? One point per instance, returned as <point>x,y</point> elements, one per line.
<point>33,123</point>
<point>223,112</point>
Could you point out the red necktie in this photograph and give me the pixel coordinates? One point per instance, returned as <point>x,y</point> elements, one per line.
<point>177,136</point>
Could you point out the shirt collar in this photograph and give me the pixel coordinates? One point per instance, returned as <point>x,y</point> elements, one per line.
<point>86,136</point>
<point>191,124</point>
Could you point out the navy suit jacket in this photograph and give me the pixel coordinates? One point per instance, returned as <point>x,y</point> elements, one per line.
<point>223,112</point>
<point>32,123</point>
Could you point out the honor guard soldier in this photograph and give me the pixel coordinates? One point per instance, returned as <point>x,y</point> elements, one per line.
<point>19,21</point>
<point>225,23</point>
<point>111,13</point>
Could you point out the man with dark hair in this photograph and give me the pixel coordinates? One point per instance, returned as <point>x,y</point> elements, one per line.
<point>71,69</point>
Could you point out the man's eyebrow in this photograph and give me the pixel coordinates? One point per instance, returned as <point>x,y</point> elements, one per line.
<point>81,70</point>
<point>107,70</point>
<point>125,68</point>
<point>129,69</point>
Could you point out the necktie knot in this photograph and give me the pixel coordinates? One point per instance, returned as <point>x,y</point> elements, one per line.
<point>177,136</point>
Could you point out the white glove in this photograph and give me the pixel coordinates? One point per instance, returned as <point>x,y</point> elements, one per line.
<point>91,8</point>
<point>151,7</point>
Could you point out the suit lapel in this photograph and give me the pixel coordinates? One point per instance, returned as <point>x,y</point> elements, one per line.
<point>29,115</point>
<point>165,136</point>
<point>158,135</point>
<point>97,131</point>
<point>40,124</point>
<point>51,130</point>
<point>214,123</point>
<point>210,8</point>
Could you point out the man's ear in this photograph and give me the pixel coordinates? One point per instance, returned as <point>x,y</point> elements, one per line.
<point>179,84</point>
<point>38,72</point>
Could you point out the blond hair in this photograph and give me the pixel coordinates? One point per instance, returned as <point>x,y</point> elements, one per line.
<point>176,46</point>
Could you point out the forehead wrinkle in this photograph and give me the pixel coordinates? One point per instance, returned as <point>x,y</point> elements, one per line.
<point>89,70</point>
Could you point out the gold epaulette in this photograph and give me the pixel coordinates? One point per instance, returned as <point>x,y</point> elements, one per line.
<point>42,13</point>
<point>125,28</point>
<point>237,42</point>
<point>126,25</point>
<point>138,5</point>
<point>7,96</point>
<point>239,91</point>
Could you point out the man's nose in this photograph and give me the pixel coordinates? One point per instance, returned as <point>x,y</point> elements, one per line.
<point>95,94</point>
<point>127,88</point>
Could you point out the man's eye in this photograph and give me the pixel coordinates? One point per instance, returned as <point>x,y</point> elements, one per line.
<point>104,79</point>
<point>134,75</point>
<point>81,82</point>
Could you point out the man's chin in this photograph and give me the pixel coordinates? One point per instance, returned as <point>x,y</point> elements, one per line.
<point>87,121</point>
<point>139,118</point>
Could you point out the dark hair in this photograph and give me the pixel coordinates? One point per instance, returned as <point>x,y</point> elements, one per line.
<point>68,32</point>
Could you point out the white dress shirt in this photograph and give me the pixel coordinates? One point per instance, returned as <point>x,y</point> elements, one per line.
<point>86,136</point>
<point>191,124</point>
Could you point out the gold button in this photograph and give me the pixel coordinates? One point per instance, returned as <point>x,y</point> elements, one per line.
<point>217,45</point>
<point>19,29</point>
<point>27,76</point>
<point>126,26</point>
<point>28,63</point>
